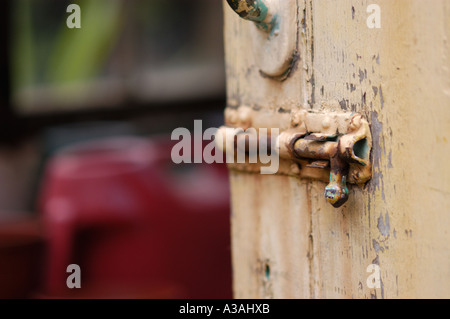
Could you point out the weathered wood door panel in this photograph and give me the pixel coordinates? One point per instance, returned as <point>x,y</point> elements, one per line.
<point>288,242</point>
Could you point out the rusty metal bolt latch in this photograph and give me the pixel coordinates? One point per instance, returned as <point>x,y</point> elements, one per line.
<point>340,150</point>
<point>340,142</point>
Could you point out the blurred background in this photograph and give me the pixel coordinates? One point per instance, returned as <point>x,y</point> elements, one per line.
<point>86,176</point>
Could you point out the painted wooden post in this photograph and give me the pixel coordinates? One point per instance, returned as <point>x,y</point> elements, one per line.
<point>390,61</point>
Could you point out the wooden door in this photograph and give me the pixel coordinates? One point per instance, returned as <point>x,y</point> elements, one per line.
<point>287,241</point>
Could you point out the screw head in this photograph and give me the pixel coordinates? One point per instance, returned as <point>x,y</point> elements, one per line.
<point>295,169</point>
<point>355,122</point>
<point>245,116</point>
<point>326,123</point>
<point>231,116</point>
<point>296,119</point>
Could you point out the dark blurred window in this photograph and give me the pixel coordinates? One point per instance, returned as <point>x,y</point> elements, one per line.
<point>127,51</point>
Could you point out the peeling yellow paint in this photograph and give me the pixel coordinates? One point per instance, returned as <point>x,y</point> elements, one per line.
<point>399,78</point>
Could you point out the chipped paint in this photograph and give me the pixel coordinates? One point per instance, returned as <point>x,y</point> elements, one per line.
<point>377,151</point>
<point>383,225</point>
<point>399,79</point>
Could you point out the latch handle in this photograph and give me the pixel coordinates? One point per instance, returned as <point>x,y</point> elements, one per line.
<point>344,142</point>
<point>315,148</point>
<point>352,147</point>
<point>336,192</point>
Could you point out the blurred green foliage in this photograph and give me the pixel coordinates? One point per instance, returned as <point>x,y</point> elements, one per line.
<point>45,50</point>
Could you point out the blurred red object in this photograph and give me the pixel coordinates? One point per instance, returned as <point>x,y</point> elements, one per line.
<point>21,250</point>
<point>136,224</point>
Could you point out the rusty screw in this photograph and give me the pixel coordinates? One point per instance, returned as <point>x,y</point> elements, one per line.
<point>326,123</point>
<point>231,116</point>
<point>297,118</point>
<point>355,123</point>
<point>245,116</point>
